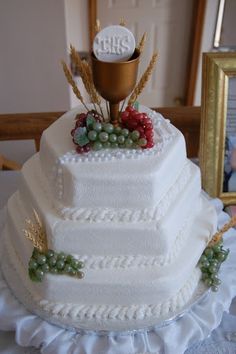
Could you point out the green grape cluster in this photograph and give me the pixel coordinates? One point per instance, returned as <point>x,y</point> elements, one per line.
<point>50,261</point>
<point>210,263</point>
<point>107,135</point>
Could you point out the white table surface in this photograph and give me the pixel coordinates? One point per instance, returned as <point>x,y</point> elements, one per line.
<point>8,185</point>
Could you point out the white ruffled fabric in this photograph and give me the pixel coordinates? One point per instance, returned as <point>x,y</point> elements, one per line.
<point>194,326</point>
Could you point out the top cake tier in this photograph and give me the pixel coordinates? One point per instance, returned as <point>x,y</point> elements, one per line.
<point>111,178</point>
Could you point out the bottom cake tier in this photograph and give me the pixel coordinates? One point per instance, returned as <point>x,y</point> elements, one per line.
<point>112,299</point>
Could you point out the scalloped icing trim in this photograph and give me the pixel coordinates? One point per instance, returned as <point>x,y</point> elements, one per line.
<point>101,312</point>
<point>136,261</point>
<point>128,261</point>
<point>117,312</point>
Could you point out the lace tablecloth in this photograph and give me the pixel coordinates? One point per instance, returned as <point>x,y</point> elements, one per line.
<point>187,332</point>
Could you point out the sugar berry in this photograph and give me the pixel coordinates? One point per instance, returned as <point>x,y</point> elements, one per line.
<point>136,116</point>
<point>92,135</point>
<point>125,132</point>
<point>117,130</point>
<point>82,149</point>
<point>131,124</point>
<point>135,135</point>
<point>86,148</point>
<point>81,119</point>
<point>140,130</point>
<point>97,127</point>
<point>142,142</point>
<point>108,128</point>
<point>112,138</point>
<point>103,137</point>
<point>129,109</point>
<point>128,143</point>
<point>149,133</point>
<point>124,116</point>
<point>121,139</point>
<point>97,145</point>
<point>148,125</point>
<point>150,144</point>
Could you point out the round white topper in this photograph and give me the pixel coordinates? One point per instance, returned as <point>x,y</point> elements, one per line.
<point>114,44</point>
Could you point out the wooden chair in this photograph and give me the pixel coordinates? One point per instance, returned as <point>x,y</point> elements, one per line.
<point>31,125</point>
<point>6,164</point>
<point>23,126</point>
<point>187,119</point>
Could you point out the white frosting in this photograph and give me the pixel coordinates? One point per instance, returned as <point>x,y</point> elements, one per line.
<point>137,218</point>
<point>16,218</point>
<point>153,292</point>
<point>140,177</point>
<point>129,215</point>
<point>161,225</point>
<point>31,173</point>
<point>86,316</point>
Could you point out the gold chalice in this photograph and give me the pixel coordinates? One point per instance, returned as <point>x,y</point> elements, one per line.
<point>115,80</point>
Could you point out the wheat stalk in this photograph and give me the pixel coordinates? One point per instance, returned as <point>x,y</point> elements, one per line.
<point>89,76</point>
<point>143,81</point>
<point>70,80</point>
<point>79,63</point>
<point>89,84</point>
<point>141,44</point>
<point>35,232</point>
<point>97,27</point>
<point>95,98</point>
<point>122,21</point>
<point>218,236</point>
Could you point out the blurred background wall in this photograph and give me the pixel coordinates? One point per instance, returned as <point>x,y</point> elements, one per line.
<point>35,35</point>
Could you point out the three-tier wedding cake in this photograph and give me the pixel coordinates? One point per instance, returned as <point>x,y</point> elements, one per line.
<point>137,219</point>
<point>108,235</point>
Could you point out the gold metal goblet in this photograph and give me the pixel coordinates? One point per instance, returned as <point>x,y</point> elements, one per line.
<point>115,80</point>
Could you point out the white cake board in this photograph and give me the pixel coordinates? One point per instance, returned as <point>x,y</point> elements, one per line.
<point>174,335</point>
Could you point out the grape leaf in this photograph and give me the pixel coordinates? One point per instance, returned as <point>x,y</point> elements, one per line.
<point>80,136</point>
<point>136,105</point>
<point>90,120</point>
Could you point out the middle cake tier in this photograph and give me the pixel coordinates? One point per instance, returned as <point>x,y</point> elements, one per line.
<point>157,231</point>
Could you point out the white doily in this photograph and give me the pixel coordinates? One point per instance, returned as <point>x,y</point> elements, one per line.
<point>176,337</point>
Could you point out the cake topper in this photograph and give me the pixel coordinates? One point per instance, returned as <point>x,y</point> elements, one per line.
<point>112,76</point>
<point>114,44</point>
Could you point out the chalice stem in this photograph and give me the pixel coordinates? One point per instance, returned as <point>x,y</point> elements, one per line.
<point>114,111</point>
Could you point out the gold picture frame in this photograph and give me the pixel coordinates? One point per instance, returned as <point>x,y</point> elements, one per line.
<point>218,68</point>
